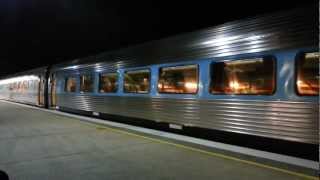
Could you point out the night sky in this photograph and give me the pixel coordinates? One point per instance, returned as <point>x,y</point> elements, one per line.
<point>35,33</point>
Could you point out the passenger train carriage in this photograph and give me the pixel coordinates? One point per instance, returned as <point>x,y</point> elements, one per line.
<point>27,87</point>
<point>253,82</point>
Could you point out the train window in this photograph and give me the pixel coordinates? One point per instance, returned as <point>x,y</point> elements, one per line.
<point>15,86</point>
<point>19,86</point>
<point>11,87</point>
<point>32,84</point>
<point>86,83</point>
<point>308,74</point>
<point>108,83</point>
<point>25,85</point>
<point>137,81</point>
<point>178,79</point>
<point>70,84</point>
<point>247,76</point>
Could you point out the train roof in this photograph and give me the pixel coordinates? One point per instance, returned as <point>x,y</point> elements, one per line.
<point>35,71</point>
<point>293,29</point>
<point>296,28</point>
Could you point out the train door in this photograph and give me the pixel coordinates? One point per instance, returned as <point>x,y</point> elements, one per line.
<point>53,86</point>
<point>41,91</point>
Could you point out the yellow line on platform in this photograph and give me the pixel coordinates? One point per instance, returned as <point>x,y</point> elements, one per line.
<point>101,127</point>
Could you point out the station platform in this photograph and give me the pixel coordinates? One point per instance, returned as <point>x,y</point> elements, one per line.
<point>40,144</point>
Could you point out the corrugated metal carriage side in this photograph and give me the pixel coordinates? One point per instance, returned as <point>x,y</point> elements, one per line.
<point>283,115</point>
<point>138,83</point>
<point>25,87</point>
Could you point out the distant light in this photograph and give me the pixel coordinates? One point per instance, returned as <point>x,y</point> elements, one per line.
<point>234,85</point>
<point>191,85</point>
<point>312,55</point>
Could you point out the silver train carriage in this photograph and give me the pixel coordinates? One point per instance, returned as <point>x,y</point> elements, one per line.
<point>27,87</point>
<point>257,77</point>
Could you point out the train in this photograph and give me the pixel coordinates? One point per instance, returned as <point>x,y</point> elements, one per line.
<point>251,82</point>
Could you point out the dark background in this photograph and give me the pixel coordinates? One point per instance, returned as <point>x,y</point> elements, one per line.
<point>35,33</point>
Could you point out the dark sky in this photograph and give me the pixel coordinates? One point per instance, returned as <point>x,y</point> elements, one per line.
<point>34,33</point>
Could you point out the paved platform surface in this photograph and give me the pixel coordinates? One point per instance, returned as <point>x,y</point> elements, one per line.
<point>39,145</point>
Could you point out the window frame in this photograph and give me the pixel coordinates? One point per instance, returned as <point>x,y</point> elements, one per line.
<point>180,65</point>
<point>65,84</point>
<point>266,57</point>
<point>93,83</point>
<point>118,84</point>
<point>139,69</point>
<point>298,57</point>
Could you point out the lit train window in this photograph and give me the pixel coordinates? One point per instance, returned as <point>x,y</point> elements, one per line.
<point>25,85</point>
<point>15,86</point>
<point>178,79</point>
<point>19,86</point>
<point>308,74</point>
<point>137,81</point>
<point>247,76</point>
<point>70,85</point>
<point>11,87</point>
<point>86,83</point>
<point>108,83</point>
